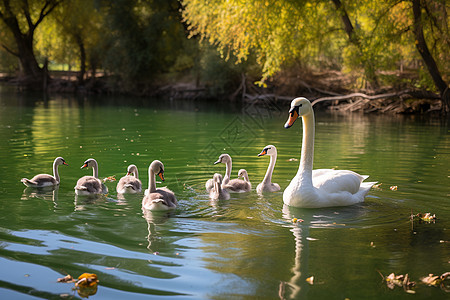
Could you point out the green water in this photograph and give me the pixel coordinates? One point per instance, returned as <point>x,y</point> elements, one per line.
<point>245,247</point>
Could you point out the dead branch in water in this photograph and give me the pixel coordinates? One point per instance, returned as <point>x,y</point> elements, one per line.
<point>410,93</point>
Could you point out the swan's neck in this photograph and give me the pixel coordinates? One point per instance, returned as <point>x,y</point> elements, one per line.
<point>135,171</point>
<point>55,171</point>
<point>151,181</point>
<point>227,172</point>
<point>218,187</point>
<point>246,179</point>
<point>307,154</point>
<point>95,170</point>
<point>268,177</point>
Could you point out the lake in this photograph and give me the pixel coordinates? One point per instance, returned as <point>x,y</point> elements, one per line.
<point>247,247</point>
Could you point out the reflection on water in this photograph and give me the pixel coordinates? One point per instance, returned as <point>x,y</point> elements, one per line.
<point>154,219</point>
<point>246,246</point>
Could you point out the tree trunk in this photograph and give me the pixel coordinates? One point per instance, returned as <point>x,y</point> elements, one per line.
<point>80,43</point>
<point>428,59</point>
<point>29,65</point>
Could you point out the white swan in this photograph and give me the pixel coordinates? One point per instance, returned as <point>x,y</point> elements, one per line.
<point>46,180</point>
<point>161,198</point>
<point>90,185</point>
<point>224,159</point>
<point>238,185</point>
<point>266,185</point>
<point>217,193</point>
<point>323,187</point>
<point>130,183</point>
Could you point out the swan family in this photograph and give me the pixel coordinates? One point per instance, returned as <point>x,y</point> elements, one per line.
<point>309,188</point>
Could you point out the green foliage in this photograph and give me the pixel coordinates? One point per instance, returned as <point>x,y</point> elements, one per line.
<point>136,41</point>
<point>281,32</point>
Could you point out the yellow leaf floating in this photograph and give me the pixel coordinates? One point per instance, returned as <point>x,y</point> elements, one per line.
<point>310,280</point>
<point>427,217</point>
<point>110,178</point>
<point>87,280</point>
<point>394,188</point>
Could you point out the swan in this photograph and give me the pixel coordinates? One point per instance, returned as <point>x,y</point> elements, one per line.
<point>90,185</point>
<point>129,184</point>
<point>266,185</point>
<point>224,159</point>
<point>46,180</point>
<point>161,198</point>
<point>238,185</point>
<point>217,193</point>
<point>322,187</point>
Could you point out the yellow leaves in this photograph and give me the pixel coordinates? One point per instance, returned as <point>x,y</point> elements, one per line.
<point>86,280</point>
<point>86,285</point>
<point>110,178</point>
<point>427,217</point>
<point>393,188</point>
<point>295,220</point>
<point>310,280</point>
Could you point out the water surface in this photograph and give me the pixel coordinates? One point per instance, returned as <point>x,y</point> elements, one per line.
<point>245,247</point>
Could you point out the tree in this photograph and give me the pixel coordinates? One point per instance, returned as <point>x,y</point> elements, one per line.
<point>427,57</point>
<point>22,17</point>
<point>373,36</point>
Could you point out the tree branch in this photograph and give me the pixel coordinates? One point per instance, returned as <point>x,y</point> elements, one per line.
<point>419,94</point>
<point>10,51</point>
<point>51,6</point>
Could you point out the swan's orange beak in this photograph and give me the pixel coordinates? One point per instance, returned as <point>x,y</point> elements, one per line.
<point>128,173</point>
<point>264,152</point>
<point>84,166</point>
<point>161,175</point>
<point>64,163</point>
<point>293,115</point>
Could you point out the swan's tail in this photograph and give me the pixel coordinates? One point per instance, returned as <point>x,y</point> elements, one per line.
<point>28,182</point>
<point>80,187</point>
<point>366,186</point>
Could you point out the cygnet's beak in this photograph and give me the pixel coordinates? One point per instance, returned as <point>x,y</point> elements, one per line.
<point>161,175</point>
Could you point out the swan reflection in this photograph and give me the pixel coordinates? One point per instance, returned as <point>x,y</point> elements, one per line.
<point>45,193</point>
<point>296,286</point>
<point>153,219</point>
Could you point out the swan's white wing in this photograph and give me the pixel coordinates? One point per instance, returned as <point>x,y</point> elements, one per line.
<point>333,181</point>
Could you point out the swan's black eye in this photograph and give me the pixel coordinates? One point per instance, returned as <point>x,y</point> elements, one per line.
<point>300,105</point>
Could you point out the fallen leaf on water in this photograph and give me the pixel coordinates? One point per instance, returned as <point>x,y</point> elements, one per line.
<point>295,220</point>
<point>68,278</point>
<point>393,280</point>
<point>310,280</point>
<point>435,280</point>
<point>393,188</point>
<point>292,159</point>
<point>110,178</point>
<point>427,217</point>
<point>377,186</point>
<point>87,280</point>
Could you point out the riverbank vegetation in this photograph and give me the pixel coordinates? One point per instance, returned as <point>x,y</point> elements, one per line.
<point>368,52</point>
